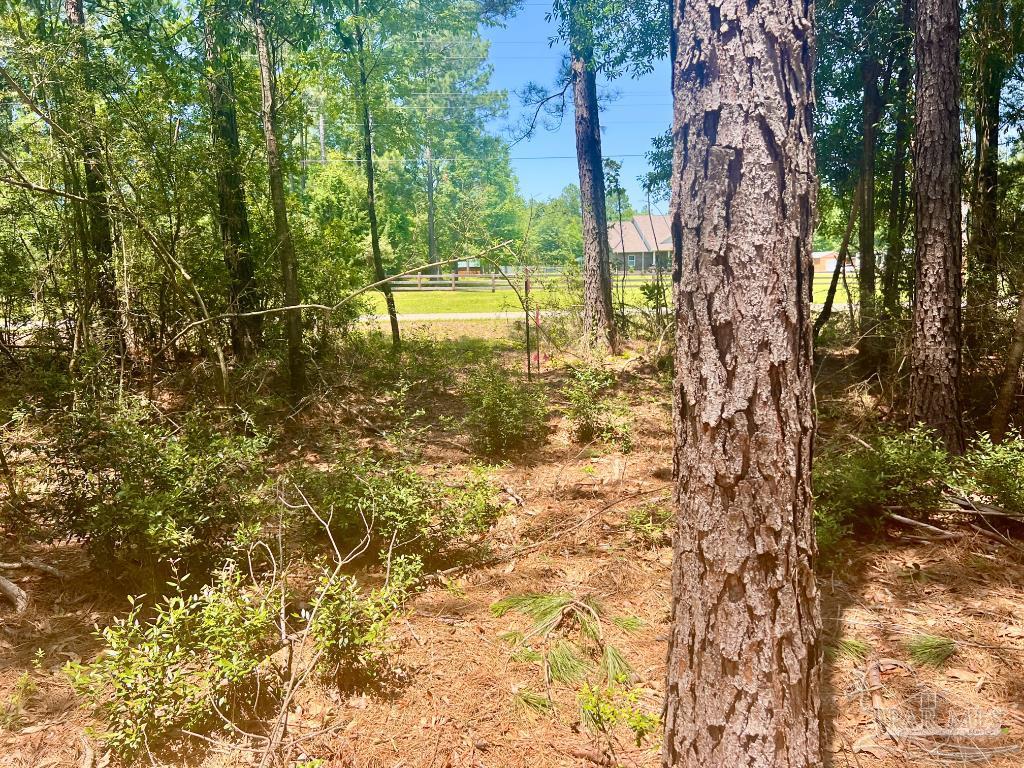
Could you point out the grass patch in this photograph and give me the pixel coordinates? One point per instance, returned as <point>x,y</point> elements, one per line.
<point>931,650</point>
<point>848,648</point>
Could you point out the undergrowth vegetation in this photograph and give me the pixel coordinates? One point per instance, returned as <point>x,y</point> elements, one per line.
<point>504,413</point>
<point>141,488</point>
<point>909,473</point>
<point>593,415</point>
<point>180,664</point>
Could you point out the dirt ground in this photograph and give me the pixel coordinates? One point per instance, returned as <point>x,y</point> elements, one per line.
<point>453,689</point>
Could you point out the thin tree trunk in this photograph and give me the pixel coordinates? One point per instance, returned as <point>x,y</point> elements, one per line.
<point>894,256</point>
<point>983,243</point>
<point>936,347</point>
<point>283,235</point>
<point>371,195</point>
<point>598,318</point>
<point>866,274</point>
<point>744,663</point>
<point>322,135</point>
<point>232,211</point>
<point>841,260</point>
<point>99,242</point>
<point>1011,378</point>
<point>432,256</point>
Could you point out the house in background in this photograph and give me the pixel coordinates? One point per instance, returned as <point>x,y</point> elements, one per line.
<point>646,237</point>
<point>640,241</point>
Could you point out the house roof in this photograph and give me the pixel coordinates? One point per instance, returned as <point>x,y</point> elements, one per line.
<point>643,233</point>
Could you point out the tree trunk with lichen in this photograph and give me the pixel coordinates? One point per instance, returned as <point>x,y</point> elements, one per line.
<point>935,353</point>
<point>598,319</point>
<point>744,661</point>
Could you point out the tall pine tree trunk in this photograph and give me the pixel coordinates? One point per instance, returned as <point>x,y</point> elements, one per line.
<point>935,353</point>
<point>598,319</point>
<point>283,243</point>
<point>371,192</point>
<point>898,189</point>
<point>744,661</point>
<point>98,241</point>
<point>983,243</point>
<point>232,211</point>
<point>866,274</point>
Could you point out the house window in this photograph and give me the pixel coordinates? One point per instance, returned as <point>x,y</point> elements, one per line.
<point>632,261</point>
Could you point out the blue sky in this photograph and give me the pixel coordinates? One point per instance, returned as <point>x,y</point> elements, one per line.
<point>520,54</point>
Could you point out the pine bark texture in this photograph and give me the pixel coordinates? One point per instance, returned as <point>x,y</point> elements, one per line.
<point>744,661</point>
<point>598,320</point>
<point>936,346</point>
<point>282,230</point>
<point>232,211</point>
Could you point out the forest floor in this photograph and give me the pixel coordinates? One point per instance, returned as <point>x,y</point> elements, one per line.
<point>455,695</point>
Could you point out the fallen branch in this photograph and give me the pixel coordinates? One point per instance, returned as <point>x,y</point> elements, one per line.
<point>15,594</point>
<point>35,565</point>
<point>936,533</point>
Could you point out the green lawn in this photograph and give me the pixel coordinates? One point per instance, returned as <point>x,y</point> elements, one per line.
<point>449,302</point>
<point>430,302</point>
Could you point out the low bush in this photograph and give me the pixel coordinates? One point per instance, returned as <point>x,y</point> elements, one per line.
<point>996,471</point>
<point>649,523</point>
<point>141,490</point>
<point>505,414</point>
<point>196,654</point>
<point>400,507</point>
<point>854,487</point>
<point>349,624</point>
<point>592,416</point>
<point>603,709</point>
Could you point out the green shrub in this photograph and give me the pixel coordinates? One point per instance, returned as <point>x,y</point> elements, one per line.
<point>349,625</point>
<point>604,708</point>
<point>584,389</point>
<point>853,487</point>
<point>996,471</point>
<point>141,490</point>
<point>592,416</point>
<point>398,504</point>
<point>505,414</point>
<point>198,653</point>
<point>650,523</point>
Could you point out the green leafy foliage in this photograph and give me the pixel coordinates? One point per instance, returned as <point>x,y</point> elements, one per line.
<point>649,523</point>
<point>141,489</point>
<point>854,486</point>
<point>172,667</point>
<point>399,506</point>
<point>505,414</point>
<point>349,624</point>
<point>592,416</point>
<point>996,470</point>
<point>602,708</point>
